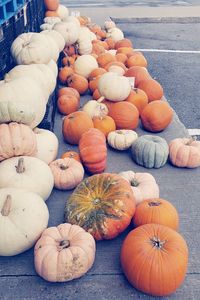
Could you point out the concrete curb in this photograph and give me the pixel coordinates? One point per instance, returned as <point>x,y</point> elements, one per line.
<point>182,20</point>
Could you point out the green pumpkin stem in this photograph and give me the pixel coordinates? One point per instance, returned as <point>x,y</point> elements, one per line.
<point>6,206</point>
<point>134,183</point>
<point>20,168</point>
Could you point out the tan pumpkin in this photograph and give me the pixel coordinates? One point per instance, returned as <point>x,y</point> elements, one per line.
<point>105,124</point>
<point>67,173</point>
<point>15,140</point>
<point>78,82</point>
<point>71,253</point>
<point>185,152</point>
<point>74,125</point>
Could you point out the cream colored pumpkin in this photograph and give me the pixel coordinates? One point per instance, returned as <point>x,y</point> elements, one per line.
<point>67,172</point>
<point>115,33</point>
<point>73,19</point>
<point>58,38</point>
<point>85,64</point>
<point>143,185</point>
<point>71,253</point>
<point>116,69</point>
<point>23,218</point>
<point>52,20</point>
<point>28,173</point>
<point>24,90</point>
<point>47,145</point>
<point>112,51</point>
<point>121,139</point>
<point>54,69</point>
<point>31,48</point>
<point>63,12</point>
<point>46,26</point>
<point>15,140</point>
<point>69,31</point>
<point>85,32</point>
<point>54,47</point>
<point>109,24</point>
<point>114,87</point>
<point>84,46</point>
<point>16,112</point>
<point>95,108</point>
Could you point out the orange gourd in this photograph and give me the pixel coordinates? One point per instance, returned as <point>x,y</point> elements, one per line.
<point>152,88</point>
<point>126,50</point>
<point>140,74</point>
<point>137,59</point>
<point>96,72</point>
<point>121,57</point>
<point>123,43</point>
<point>138,98</point>
<point>93,84</point>
<point>68,91</point>
<point>104,59</point>
<point>111,43</point>
<point>68,104</point>
<point>78,82</point>
<point>104,124</point>
<point>64,73</point>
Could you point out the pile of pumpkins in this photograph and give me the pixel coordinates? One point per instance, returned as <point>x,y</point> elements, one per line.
<point>103,205</point>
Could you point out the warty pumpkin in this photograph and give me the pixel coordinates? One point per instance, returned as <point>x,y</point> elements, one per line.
<point>93,150</point>
<point>154,259</point>
<point>102,204</point>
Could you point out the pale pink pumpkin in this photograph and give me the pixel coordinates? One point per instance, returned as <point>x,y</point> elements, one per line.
<point>143,185</point>
<point>16,140</point>
<point>67,172</point>
<point>64,253</point>
<point>185,152</point>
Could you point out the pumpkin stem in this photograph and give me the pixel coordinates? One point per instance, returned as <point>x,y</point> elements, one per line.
<point>191,139</point>
<point>64,244</point>
<point>6,206</point>
<point>154,203</point>
<point>157,243</point>
<point>63,167</point>
<point>134,183</point>
<point>101,99</point>
<point>7,78</point>
<point>20,168</point>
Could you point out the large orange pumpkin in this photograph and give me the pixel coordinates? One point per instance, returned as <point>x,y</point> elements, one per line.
<point>123,43</point>
<point>104,124</point>
<point>140,74</point>
<point>74,125</point>
<point>96,72</point>
<point>121,57</point>
<point>93,84</point>
<point>51,4</point>
<point>138,98</point>
<point>102,204</point>
<point>78,82</point>
<point>125,115</point>
<point>157,211</point>
<point>68,104</point>
<point>68,91</point>
<point>137,59</point>
<point>64,73</point>
<point>105,58</point>
<point>154,259</point>
<point>93,150</point>
<point>152,88</point>
<point>126,50</point>
<point>156,116</point>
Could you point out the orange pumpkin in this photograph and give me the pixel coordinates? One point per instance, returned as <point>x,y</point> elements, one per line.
<point>68,91</point>
<point>125,115</point>
<point>121,57</point>
<point>93,150</point>
<point>111,43</point>
<point>68,61</point>
<point>98,49</point>
<point>100,212</point>
<point>74,125</point>
<point>96,72</point>
<point>78,82</point>
<point>104,124</point>
<point>108,103</point>
<point>96,95</point>
<point>156,116</point>
<point>115,63</point>
<point>138,98</point>
<point>51,4</point>
<point>68,104</point>
<point>70,50</point>
<point>140,74</point>
<point>154,259</point>
<point>84,20</point>
<point>50,13</point>
<point>93,84</point>
<point>104,59</point>
<point>126,50</point>
<point>157,211</point>
<point>71,154</point>
<point>123,43</point>
<point>152,88</point>
<point>64,73</point>
<point>137,59</point>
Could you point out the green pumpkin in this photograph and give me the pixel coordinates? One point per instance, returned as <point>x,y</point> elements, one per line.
<point>150,151</point>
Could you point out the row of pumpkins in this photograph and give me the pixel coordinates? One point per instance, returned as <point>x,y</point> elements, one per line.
<point>101,206</point>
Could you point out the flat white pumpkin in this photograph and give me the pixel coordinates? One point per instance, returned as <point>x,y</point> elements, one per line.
<point>69,31</point>
<point>54,47</point>
<point>23,218</point>
<point>47,145</point>
<point>51,20</point>
<point>28,173</point>
<point>54,69</point>
<point>63,12</point>
<point>121,139</point>
<point>24,90</point>
<point>58,38</point>
<point>31,48</point>
<point>115,33</point>
<point>85,64</point>
<point>46,26</point>
<point>114,87</point>
<point>84,46</point>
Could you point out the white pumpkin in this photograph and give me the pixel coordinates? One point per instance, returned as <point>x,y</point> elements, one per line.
<point>47,145</point>
<point>31,71</point>
<point>52,20</point>
<point>143,185</point>
<point>112,51</point>
<point>31,48</point>
<point>84,46</point>
<point>73,19</point>
<point>95,108</point>
<point>54,70</point>
<point>86,32</point>
<point>28,173</point>
<point>85,64</point>
<point>109,24</point>
<point>23,218</point>
<point>24,90</point>
<point>116,69</point>
<point>63,12</point>
<point>69,31</point>
<point>58,38</point>
<point>16,112</point>
<point>46,26</point>
<point>115,33</point>
<point>114,87</point>
<point>121,139</point>
<point>54,47</point>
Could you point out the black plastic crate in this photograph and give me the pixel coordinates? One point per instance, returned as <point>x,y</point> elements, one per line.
<point>19,23</point>
<point>31,12</point>
<point>40,18</point>
<point>48,120</point>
